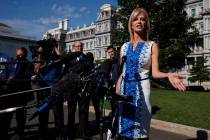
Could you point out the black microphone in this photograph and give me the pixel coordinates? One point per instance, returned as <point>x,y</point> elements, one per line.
<point>86,76</point>
<point>98,66</point>
<point>116,97</point>
<point>124,58</point>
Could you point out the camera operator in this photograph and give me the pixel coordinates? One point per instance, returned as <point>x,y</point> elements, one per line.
<point>46,75</point>
<point>71,84</point>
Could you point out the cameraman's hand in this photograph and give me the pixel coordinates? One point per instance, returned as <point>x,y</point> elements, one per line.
<point>40,50</point>
<point>57,50</point>
<point>33,77</point>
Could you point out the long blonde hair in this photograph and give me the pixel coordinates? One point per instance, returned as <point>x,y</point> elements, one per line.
<point>133,15</point>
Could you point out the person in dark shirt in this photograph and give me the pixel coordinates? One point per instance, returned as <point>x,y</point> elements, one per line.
<point>20,81</point>
<point>113,73</point>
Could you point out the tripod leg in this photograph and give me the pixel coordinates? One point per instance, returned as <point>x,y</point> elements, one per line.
<point>101,119</point>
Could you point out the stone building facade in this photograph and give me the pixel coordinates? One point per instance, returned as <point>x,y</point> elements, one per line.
<point>96,37</point>
<point>200,10</point>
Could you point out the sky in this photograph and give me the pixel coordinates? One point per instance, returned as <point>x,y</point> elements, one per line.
<point>34,17</point>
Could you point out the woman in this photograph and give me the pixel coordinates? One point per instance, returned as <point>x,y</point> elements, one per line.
<point>141,57</point>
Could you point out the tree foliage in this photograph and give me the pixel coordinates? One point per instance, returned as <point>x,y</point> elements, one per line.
<point>169,28</point>
<point>199,71</point>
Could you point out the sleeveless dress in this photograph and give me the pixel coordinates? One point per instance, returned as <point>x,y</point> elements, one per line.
<point>135,117</point>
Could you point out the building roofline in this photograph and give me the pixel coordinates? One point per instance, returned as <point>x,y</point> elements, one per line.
<point>18,38</point>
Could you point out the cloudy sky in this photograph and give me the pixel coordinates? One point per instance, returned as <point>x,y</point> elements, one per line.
<point>35,17</point>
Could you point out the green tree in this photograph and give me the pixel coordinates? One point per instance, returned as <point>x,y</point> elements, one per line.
<point>199,71</point>
<point>169,28</point>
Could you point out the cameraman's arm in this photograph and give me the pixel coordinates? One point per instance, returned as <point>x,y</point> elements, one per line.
<point>57,50</point>
<point>36,68</point>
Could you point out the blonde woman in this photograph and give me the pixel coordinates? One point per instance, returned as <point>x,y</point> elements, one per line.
<point>141,57</point>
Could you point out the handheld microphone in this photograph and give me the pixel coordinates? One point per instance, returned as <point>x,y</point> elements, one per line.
<point>124,58</point>
<point>116,97</point>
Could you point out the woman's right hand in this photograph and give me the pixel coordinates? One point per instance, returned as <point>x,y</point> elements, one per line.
<point>176,81</point>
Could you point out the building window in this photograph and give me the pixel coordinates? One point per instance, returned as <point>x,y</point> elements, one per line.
<point>193,12</point>
<point>99,28</point>
<point>106,27</point>
<point>202,9</point>
<point>190,61</point>
<point>99,41</point>
<point>71,36</point>
<point>201,26</point>
<point>99,54</point>
<point>87,45</point>
<point>91,44</point>
<point>92,32</point>
<point>77,35</point>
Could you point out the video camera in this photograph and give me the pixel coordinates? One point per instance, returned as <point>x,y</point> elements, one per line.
<point>47,46</point>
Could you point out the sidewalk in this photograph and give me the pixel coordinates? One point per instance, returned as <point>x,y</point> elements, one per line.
<point>168,127</point>
<point>160,130</point>
<point>200,134</point>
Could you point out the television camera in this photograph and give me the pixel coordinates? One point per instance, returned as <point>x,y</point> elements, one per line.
<point>47,46</point>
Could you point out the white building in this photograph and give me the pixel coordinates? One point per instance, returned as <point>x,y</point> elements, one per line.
<point>10,39</point>
<point>200,10</point>
<point>96,37</point>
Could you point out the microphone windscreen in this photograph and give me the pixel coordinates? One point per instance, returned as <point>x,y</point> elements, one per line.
<point>106,66</point>
<point>70,56</point>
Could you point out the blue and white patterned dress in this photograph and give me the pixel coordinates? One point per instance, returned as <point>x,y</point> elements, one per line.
<point>135,117</point>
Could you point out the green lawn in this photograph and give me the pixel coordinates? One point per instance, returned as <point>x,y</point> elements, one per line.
<point>189,108</point>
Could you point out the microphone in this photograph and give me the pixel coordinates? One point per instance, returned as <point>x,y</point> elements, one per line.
<point>124,58</point>
<point>116,97</point>
<point>98,66</point>
<point>52,100</point>
<point>90,73</point>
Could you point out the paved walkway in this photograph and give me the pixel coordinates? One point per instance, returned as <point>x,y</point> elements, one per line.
<point>156,134</point>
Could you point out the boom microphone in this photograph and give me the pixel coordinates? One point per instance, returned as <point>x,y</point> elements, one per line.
<point>86,75</point>
<point>52,100</point>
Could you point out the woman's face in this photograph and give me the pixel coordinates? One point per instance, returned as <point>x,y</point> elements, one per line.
<point>139,23</point>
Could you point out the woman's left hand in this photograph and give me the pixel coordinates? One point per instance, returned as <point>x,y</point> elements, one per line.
<point>176,80</point>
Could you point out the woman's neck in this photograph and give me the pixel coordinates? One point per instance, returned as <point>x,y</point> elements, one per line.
<point>137,38</point>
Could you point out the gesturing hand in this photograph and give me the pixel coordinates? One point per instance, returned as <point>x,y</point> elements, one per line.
<point>176,80</point>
